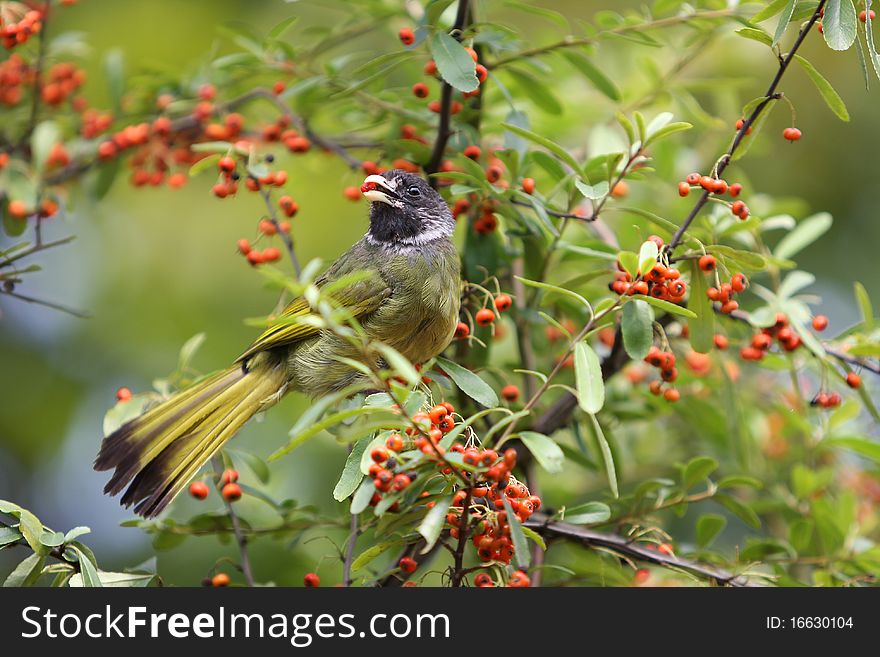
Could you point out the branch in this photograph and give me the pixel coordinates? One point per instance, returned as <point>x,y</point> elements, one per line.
<point>573,42</point>
<point>771,95</point>
<point>551,529</point>
<point>443,132</point>
<point>36,248</point>
<point>285,236</point>
<point>48,304</point>
<point>240,538</point>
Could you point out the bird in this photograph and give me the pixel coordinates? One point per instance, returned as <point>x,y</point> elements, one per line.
<point>401,282</point>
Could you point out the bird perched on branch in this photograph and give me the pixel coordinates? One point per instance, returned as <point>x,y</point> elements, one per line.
<point>407,297</point>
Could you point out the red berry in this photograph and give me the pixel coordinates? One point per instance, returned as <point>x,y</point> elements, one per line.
<point>226,164</point>
<point>671,395</point>
<point>708,263</point>
<point>462,330</point>
<point>352,193</point>
<point>792,134</point>
<point>720,341</point>
<point>123,394</point>
<point>528,185</point>
<point>510,393</point>
<point>693,179</point>
<point>407,36</point>
<point>484,317</point>
<point>820,322</point>
<point>311,581</point>
<point>739,282</point>
<point>853,380</point>
<point>199,490</point>
<point>473,152</point>
<point>735,189</point>
<point>229,476</point>
<point>863,16</point>
<point>231,492</point>
<point>683,189</point>
<point>431,68</point>
<point>503,303</point>
<point>408,565</point>
<point>420,90</point>
<point>379,454</point>
<point>220,579</point>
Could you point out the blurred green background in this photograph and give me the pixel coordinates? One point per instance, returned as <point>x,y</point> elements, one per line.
<point>155,266</point>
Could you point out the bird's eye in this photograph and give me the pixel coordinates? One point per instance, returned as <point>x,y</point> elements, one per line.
<point>413,191</point>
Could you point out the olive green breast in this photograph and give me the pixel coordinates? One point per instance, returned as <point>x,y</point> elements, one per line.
<point>416,316</point>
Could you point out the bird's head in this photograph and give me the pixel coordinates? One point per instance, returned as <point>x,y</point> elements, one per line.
<point>405,210</point>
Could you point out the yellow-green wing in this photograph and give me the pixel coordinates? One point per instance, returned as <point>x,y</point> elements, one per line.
<point>361,297</point>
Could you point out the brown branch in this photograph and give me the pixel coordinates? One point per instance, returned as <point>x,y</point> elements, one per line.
<point>48,304</point>
<point>771,95</point>
<point>443,131</point>
<point>551,529</point>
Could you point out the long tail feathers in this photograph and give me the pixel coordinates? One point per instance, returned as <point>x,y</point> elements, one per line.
<point>156,454</point>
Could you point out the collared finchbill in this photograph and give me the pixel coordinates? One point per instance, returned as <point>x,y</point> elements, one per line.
<point>379,188</point>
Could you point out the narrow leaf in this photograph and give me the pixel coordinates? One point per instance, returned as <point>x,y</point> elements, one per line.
<point>545,450</point>
<point>637,327</point>
<point>432,524</point>
<point>588,375</point>
<point>607,456</point>
<point>829,95</point>
<point>469,383</point>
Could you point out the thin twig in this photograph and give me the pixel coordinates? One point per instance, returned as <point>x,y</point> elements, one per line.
<point>240,538</point>
<point>48,304</point>
<point>36,248</point>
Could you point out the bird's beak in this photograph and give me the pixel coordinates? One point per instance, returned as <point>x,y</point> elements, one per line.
<point>379,188</point>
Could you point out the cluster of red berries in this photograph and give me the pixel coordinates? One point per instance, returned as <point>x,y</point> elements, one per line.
<point>724,293</point>
<point>761,342</point>
<point>95,123</point>
<point>661,282</point>
<point>64,79</point>
<point>15,72</point>
<point>717,186</point>
<point>863,15</point>
<point>229,488</point>
<point>18,24</point>
<point>485,316</point>
<point>826,400</point>
<point>664,361</point>
<point>385,471</point>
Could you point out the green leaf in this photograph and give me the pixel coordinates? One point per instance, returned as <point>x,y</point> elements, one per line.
<point>537,90</point>
<point>551,146</point>
<point>399,363</point>
<point>738,509</point>
<point>869,37</point>
<point>755,35</point>
<point>864,302</point>
<point>46,134</point>
<point>88,569</point>
<point>666,306</point>
<point>637,327</point>
<point>432,524</point>
<point>520,547</point>
<point>607,457</point>
<point>75,533</point>
<point>648,253</point>
<point>784,20</point>
<point>28,524</point>
<point>839,25</point>
<point>588,375</point>
<point>254,463</point>
<point>282,27</point>
<point>769,11</point>
<point>371,553</point>
<point>807,232</point>
<point>555,289</point>
<point>362,497</point>
<point>829,95</point>
<point>27,572</point>
<point>454,63</point>
<point>590,71</point>
<point>866,447</point>
<point>9,535</point>
<point>702,329</point>
<point>587,514</point>
<point>793,283</point>
<point>534,536</point>
<point>188,351</point>
<point>351,473</point>
<point>52,539</point>
<point>697,470</point>
<point>469,383</point>
<point>667,130</point>
<point>114,73</point>
<point>593,192</point>
<point>708,527</point>
<point>545,450</point>
<point>115,580</point>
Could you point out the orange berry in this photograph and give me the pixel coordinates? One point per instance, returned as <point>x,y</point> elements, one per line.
<point>528,185</point>
<point>473,152</point>
<point>620,190</point>
<point>721,341</point>
<point>510,393</point>
<point>231,492</point>
<point>407,36</point>
<point>229,476</point>
<point>244,246</point>
<point>123,394</point>
<point>352,193</point>
<point>820,322</point>
<point>735,189</point>
<point>199,490</point>
<point>792,134</point>
<point>420,90</point>
<point>503,303</point>
<point>693,179</point>
<point>288,206</point>
<point>708,263</point>
<point>853,380</point>
<point>683,189</point>
<point>311,581</point>
<point>462,330</point>
<point>220,579</point>
<point>18,209</point>
<point>430,68</point>
<point>484,317</point>
<point>671,395</point>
